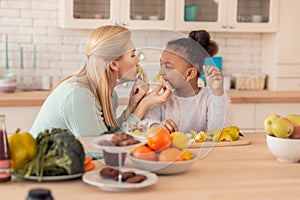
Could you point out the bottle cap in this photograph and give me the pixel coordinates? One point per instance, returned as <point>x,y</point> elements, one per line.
<point>39,194</point>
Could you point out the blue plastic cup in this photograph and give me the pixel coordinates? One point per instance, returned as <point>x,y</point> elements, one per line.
<point>190,12</point>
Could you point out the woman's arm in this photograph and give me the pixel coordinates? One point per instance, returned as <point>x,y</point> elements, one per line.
<point>82,114</point>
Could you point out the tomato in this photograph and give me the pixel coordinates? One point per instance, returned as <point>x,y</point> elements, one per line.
<point>144,153</point>
<point>159,138</point>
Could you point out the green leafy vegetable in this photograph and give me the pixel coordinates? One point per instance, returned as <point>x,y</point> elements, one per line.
<point>60,153</point>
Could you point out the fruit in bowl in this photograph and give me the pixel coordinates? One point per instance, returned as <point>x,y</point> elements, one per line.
<point>283,134</point>
<point>164,153</point>
<point>279,126</point>
<point>284,149</point>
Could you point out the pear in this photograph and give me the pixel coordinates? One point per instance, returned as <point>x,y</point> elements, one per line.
<point>282,127</point>
<point>269,122</point>
<point>295,119</point>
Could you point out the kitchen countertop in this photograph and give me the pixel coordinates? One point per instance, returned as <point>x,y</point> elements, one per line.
<point>231,172</point>
<point>36,98</point>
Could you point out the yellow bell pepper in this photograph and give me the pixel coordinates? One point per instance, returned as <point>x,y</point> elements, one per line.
<point>22,148</point>
<point>225,136</point>
<point>233,131</point>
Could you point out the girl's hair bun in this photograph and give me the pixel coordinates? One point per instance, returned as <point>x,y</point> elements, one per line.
<point>203,38</point>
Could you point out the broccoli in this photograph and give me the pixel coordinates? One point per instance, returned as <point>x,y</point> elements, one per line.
<point>60,153</point>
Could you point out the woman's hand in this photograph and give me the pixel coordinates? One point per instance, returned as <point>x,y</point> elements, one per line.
<point>158,96</point>
<point>214,78</point>
<point>137,92</point>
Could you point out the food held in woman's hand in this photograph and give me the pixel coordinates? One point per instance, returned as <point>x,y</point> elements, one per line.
<point>159,78</point>
<point>140,72</point>
<point>139,69</point>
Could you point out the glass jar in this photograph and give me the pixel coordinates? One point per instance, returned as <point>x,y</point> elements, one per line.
<point>5,163</point>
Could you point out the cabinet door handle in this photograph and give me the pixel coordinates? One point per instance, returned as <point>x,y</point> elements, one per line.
<point>124,23</point>
<point>224,26</point>
<point>117,23</point>
<point>231,27</point>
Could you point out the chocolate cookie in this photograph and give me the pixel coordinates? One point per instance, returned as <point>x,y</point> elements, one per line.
<point>125,176</point>
<point>109,172</point>
<point>128,142</point>
<point>136,179</point>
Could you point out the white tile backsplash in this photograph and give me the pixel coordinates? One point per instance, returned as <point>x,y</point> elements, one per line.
<point>35,22</point>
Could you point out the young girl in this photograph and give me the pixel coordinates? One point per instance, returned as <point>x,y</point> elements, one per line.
<point>191,108</point>
<point>85,103</point>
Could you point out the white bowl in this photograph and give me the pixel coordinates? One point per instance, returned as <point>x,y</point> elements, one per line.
<point>285,150</point>
<point>163,167</point>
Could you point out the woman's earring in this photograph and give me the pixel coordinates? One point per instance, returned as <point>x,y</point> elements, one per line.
<point>117,80</point>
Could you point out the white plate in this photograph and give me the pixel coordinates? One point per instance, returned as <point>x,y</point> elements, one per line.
<point>95,179</point>
<point>113,149</point>
<point>54,178</point>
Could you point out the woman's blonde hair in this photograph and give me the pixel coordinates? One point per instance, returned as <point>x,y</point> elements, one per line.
<point>104,45</point>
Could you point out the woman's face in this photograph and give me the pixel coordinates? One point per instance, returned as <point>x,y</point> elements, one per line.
<point>127,66</point>
<point>174,69</point>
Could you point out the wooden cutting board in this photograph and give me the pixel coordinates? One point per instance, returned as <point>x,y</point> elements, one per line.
<point>241,141</point>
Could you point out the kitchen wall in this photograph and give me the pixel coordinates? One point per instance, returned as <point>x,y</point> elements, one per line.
<point>61,51</point>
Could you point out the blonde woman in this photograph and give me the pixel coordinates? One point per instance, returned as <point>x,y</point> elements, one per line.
<point>85,103</point>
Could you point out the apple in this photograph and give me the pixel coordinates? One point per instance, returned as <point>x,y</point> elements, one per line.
<point>295,119</point>
<point>269,122</point>
<point>296,134</point>
<point>282,127</point>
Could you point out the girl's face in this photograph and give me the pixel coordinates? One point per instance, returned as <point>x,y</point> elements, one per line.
<point>174,69</point>
<point>127,66</point>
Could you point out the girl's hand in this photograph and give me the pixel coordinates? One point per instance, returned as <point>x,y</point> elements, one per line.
<point>214,79</point>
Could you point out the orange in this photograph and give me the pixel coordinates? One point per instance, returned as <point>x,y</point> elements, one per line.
<point>171,154</point>
<point>144,153</point>
<point>159,138</point>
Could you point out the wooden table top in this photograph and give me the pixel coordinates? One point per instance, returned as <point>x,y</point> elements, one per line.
<point>232,172</point>
<point>36,98</point>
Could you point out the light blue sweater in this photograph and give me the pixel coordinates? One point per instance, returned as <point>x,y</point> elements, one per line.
<point>72,106</point>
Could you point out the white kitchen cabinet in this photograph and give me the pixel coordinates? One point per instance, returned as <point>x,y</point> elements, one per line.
<point>244,116</point>
<point>20,117</point>
<point>279,57</point>
<point>227,15</point>
<point>90,14</point>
